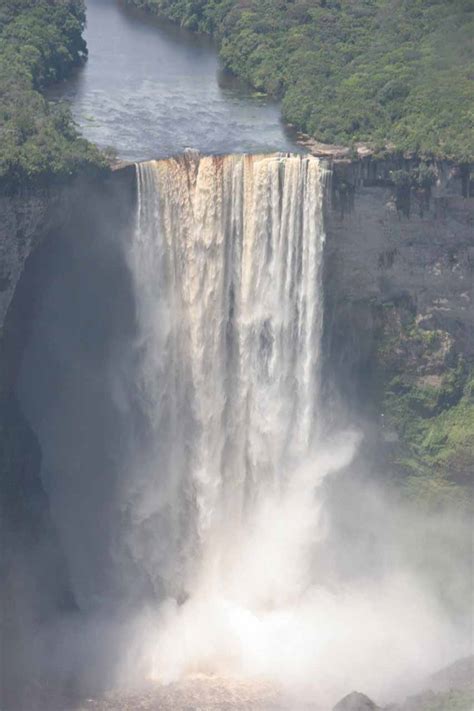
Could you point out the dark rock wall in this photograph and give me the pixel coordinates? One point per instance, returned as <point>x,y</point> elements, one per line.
<point>379,252</point>
<point>35,580</point>
<point>399,289</point>
<point>33,573</point>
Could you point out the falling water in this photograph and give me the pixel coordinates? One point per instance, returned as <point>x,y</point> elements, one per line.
<point>223,503</point>
<point>227,262</point>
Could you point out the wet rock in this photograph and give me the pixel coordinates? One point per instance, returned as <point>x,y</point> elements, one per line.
<point>356,701</point>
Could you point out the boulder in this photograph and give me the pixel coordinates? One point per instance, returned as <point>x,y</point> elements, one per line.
<point>356,701</point>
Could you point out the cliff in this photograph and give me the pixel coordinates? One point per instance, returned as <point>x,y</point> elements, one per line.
<point>399,262</point>
<point>398,340</point>
<point>34,223</point>
<point>400,314</point>
<point>25,218</point>
<point>399,324</point>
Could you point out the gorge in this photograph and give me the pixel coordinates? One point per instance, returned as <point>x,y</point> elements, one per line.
<point>235,390</point>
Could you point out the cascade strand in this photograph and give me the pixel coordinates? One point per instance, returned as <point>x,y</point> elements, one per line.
<point>227,259</point>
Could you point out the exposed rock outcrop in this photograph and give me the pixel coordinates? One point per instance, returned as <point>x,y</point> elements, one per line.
<point>379,254</point>
<point>355,702</point>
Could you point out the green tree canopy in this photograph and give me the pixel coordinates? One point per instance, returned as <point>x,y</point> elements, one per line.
<point>40,42</point>
<point>395,73</point>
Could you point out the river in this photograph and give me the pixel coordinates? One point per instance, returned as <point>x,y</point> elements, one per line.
<point>150,89</point>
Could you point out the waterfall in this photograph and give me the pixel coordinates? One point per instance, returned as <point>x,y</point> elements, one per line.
<point>226,260</point>
<point>211,522</point>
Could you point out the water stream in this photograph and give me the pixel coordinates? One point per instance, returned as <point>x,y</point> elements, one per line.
<point>151,89</point>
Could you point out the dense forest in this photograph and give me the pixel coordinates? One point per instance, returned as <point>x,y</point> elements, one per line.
<point>40,43</point>
<point>391,73</point>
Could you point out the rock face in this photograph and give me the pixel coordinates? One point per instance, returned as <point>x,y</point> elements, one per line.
<point>25,219</point>
<point>34,584</point>
<point>35,580</point>
<point>30,216</point>
<point>418,249</point>
<point>356,702</point>
<point>399,290</point>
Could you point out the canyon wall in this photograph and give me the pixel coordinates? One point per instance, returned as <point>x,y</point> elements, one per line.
<point>400,314</point>
<point>26,219</point>
<point>398,342</point>
<point>34,226</point>
<point>398,276</point>
<point>389,243</point>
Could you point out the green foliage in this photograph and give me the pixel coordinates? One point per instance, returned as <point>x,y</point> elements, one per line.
<point>432,414</point>
<point>377,71</point>
<point>423,176</point>
<point>40,42</point>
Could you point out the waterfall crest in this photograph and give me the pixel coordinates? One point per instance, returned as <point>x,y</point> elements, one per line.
<point>227,259</point>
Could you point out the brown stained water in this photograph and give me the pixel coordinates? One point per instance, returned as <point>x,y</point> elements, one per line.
<point>150,90</point>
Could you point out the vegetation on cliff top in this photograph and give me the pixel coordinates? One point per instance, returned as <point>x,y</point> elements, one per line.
<point>40,42</point>
<point>387,73</point>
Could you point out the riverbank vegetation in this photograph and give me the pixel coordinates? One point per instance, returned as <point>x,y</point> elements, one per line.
<point>390,74</point>
<point>40,43</point>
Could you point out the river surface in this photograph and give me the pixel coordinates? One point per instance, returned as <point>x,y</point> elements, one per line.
<point>151,89</point>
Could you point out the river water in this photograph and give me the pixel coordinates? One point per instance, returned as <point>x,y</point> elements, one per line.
<point>150,90</point>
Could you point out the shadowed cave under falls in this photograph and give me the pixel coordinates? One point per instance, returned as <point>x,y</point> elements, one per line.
<point>176,381</point>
